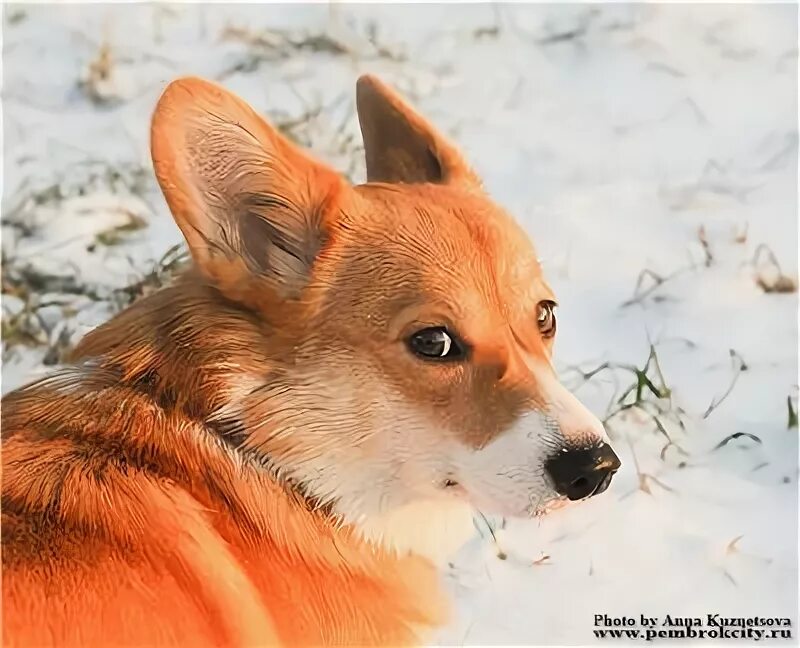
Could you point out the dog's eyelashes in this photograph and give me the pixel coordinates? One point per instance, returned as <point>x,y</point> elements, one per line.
<point>436,343</point>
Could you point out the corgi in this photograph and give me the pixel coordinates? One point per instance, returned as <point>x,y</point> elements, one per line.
<point>280,447</point>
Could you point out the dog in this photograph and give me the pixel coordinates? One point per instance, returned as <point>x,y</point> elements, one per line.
<point>280,447</point>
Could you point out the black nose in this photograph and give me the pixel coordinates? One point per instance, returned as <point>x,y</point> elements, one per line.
<point>582,472</point>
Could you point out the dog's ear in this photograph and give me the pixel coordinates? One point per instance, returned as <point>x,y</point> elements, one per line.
<point>252,207</point>
<point>400,145</point>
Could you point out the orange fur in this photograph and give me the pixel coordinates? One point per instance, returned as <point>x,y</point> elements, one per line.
<point>223,565</point>
<point>126,521</point>
<point>199,474</point>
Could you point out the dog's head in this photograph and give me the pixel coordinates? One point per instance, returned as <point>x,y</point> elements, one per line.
<point>409,326</point>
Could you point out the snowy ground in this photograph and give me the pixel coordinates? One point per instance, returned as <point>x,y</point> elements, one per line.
<point>660,138</point>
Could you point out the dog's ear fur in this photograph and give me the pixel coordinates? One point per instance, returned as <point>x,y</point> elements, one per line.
<point>400,145</point>
<point>252,207</point>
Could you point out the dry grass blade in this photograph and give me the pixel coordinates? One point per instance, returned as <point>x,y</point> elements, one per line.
<point>98,75</point>
<point>645,479</point>
<point>739,367</point>
<point>640,293</point>
<point>781,284</point>
<point>270,45</point>
<point>792,422</point>
<point>769,277</point>
<point>732,545</point>
<point>117,235</point>
<point>741,235</point>
<point>703,239</point>
<point>736,435</point>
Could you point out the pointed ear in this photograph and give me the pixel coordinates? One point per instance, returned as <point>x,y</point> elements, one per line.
<point>251,205</point>
<point>400,145</point>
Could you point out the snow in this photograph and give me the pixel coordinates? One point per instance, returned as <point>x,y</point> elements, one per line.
<point>620,136</point>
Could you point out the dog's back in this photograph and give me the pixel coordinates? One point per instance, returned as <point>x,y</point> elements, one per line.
<point>127,519</point>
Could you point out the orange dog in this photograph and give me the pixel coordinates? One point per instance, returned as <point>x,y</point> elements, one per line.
<point>279,447</point>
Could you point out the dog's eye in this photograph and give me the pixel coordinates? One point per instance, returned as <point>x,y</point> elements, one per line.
<point>435,343</point>
<point>546,318</point>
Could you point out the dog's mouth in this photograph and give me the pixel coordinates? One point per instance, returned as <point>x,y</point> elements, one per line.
<point>450,486</point>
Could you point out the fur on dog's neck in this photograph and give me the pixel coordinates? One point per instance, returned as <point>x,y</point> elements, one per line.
<point>100,462</point>
<point>195,354</point>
